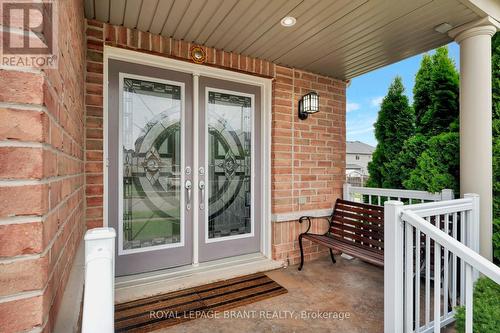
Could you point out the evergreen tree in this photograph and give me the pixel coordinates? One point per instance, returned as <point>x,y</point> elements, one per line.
<point>422,91</point>
<point>375,168</point>
<point>438,165</point>
<point>400,168</point>
<point>395,124</point>
<point>425,159</point>
<point>442,114</point>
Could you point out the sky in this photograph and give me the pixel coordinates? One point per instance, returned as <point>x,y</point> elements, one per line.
<point>365,94</point>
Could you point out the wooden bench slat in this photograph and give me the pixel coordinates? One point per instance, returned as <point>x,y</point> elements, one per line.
<point>363,245</point>
<point>342,229</point>
<point>342,246</point>
<point>351,243</point>
<point>359,204</point>
<point>365,252</point>
<point>347,232</point>
<point>357,217</point>
<point>375,213</point>
<point>357,238</point>
<point>359,224</point>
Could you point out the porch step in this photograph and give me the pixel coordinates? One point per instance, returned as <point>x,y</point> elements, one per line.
<point>137,286</point>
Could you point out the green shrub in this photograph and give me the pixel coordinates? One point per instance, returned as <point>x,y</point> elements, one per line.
<point>486,308</point>
<point>496,240</point>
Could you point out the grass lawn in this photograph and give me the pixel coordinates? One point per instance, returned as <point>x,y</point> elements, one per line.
<point>147,225</point>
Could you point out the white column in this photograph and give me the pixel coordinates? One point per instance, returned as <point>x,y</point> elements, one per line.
<point>475,119</point>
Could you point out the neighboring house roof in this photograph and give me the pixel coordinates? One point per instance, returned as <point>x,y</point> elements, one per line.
<point>358,147</point>
<point>353,166</point>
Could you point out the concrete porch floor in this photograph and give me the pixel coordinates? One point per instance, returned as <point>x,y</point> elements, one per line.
<point>349,286</point>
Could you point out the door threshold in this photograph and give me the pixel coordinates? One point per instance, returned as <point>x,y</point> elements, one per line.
<point>132,287</point>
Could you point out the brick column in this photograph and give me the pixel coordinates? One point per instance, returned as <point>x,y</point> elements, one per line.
<point>94,186</point>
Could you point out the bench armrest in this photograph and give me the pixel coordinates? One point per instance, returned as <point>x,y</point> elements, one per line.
<point>308,219</point>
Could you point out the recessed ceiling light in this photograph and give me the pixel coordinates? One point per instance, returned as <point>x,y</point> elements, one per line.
<point>288,21</point>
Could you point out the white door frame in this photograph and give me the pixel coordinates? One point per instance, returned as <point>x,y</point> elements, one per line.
<point>208,71</point>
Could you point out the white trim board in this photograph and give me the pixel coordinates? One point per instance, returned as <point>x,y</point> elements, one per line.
<point>196,70</point>
<point>293,216</point>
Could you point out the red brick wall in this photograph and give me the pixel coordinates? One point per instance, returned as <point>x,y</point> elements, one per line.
<point>308,157</point>
<point>42,182</point>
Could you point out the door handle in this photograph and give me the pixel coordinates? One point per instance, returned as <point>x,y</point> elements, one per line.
<point>201,186</point>
<point>189,187</point>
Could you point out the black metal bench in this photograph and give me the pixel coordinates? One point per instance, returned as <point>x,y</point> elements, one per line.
<point>355,229</point>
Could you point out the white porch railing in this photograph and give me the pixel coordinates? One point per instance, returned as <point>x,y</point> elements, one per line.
<point>432,242</point>
<point>377,196</point>
<point>99,296</point>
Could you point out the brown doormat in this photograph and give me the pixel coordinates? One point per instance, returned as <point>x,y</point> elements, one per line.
<point>148,314</point>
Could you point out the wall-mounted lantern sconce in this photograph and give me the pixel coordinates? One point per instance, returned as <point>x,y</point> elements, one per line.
<point>308,104</point>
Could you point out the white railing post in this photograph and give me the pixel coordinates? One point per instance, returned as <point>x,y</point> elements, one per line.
<point>447,194</point>
<point>99,297</point>
<point>393,267</point>
<point>473,222</point>
<point>473,225</point>
<point>347,192</point>
<point>469,304</point>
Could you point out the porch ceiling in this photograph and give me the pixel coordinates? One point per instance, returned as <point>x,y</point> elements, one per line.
<point>341,38</point>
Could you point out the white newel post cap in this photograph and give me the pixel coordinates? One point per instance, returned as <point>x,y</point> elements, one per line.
<point>100,233</point>
<point>484,26</point>
<point>99,243</point>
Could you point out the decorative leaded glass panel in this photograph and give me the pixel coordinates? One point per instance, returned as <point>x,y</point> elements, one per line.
<point>229,164</point>
<point>151,157</point>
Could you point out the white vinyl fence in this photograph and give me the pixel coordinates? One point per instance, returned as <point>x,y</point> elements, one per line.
<point>377,196</point>
<point>431,263</point>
